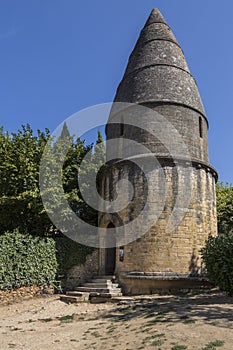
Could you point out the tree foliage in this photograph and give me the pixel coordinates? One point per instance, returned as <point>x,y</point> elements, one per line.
<point>224,194</point>
<point>218,258</point>
<point>217,253</point>
<point>21,205</point>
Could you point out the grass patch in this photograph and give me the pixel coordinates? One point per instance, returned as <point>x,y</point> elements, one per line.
<point>159,319</point>
<point>49,319</point>
<point>81,318</point>
<point>96,334</point>
<point>179,347</point>
<point>213,345</point>
<point>111,329</point>
<point>163,312</point>
<point>149,338</point>
<point>30,320</point>
<point>126,311</point>
<point>157,342</point>
<point>215,323</point>
<point>66,318</point>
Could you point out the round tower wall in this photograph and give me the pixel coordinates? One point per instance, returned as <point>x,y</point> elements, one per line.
<point>162,250</point>
<point>190,125</point>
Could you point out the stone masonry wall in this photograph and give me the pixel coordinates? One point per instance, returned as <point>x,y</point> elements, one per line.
<point>79,274</point>
<point>159,250</point>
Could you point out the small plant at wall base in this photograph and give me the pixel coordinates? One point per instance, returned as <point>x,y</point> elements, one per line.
<point>217,256</point>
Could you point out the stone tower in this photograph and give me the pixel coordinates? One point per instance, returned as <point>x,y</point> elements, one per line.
<point>165,256</point>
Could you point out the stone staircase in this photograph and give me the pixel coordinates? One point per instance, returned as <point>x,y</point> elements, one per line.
<point>98,289</point>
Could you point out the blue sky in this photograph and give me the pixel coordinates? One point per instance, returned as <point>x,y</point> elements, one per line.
<point>60,56</point>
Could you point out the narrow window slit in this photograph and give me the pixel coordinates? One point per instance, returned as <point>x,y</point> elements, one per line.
<point>121,253</point>
<point>200,127</point>
<point>121,129</point>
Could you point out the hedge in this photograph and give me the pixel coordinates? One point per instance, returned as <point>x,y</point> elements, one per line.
<point>218,259</point>
<point>26,260</point>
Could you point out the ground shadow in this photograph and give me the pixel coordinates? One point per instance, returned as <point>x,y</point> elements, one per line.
<point>213,309</point>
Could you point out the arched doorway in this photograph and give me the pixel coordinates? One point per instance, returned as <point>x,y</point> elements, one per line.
<point>110,253</point>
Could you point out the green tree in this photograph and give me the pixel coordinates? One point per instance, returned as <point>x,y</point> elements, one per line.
<point>218,259</point>
<point>224,193</point>
<point>21,205</point>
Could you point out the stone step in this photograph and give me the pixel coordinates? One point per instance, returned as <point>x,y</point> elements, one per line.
<point>77,294</point>
<point>100,280</point>
<point>70,299</point>
<point>98,290</point>
<point>97,298</point>
<point>101,285</point>
<point>106,295</point>
<point>106,277</point>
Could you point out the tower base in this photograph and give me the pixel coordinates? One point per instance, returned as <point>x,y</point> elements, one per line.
<point>141,283</point>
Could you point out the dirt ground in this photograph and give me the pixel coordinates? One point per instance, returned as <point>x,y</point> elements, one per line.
<point>178,322</point>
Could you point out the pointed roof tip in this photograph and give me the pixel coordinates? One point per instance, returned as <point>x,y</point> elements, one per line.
<point>155,17</point>
<point>156,10</point>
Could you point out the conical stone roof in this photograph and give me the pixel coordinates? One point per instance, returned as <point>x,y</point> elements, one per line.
<point>155,17</point>
<point>157,70</point>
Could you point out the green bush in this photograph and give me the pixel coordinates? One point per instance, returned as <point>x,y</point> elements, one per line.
<point>218,258</point>
<point>26,260</point>
<point>70,253</point>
